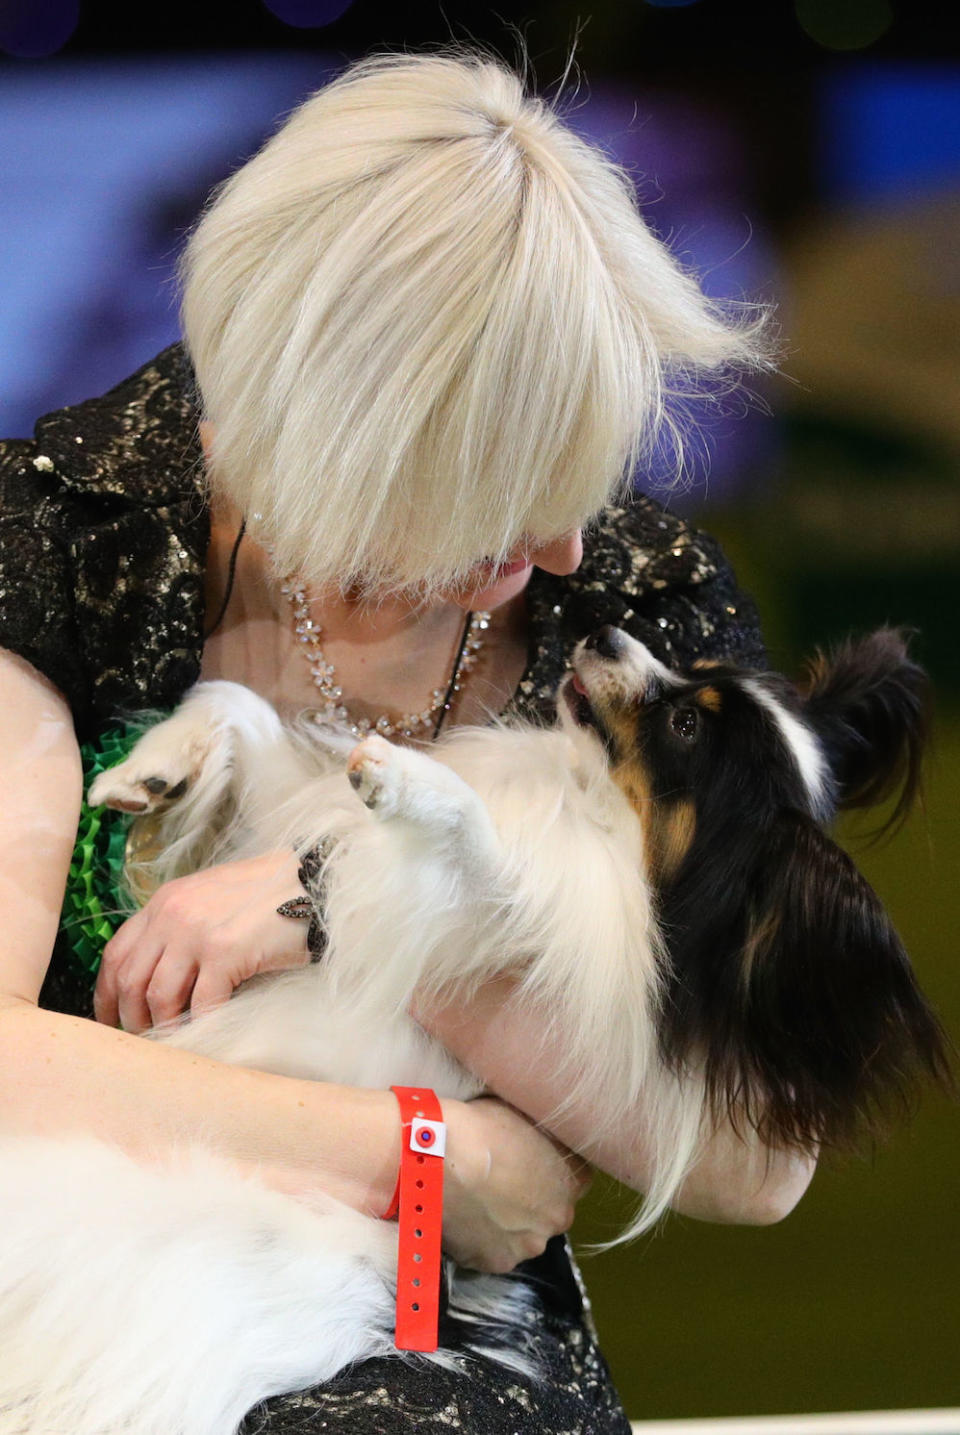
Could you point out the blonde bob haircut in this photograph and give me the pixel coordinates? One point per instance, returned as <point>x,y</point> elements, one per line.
<point>429,325</point>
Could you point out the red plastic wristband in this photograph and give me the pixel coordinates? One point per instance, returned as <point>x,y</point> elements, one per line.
<point>419,1198</point>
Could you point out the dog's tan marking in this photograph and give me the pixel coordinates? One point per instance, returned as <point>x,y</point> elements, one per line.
<point>816,673</point>
<point>674,825</point>
<point>760,938</point>
<point>709,698</point>
<point>668,824</point>
<point>701,664</point>
<point>621,721</point>
<point>632,779</point>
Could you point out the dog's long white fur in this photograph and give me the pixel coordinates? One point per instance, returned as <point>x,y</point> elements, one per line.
<point>166,1299</point>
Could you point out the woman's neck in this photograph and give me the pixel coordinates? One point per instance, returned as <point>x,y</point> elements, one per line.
<point>389,655</point>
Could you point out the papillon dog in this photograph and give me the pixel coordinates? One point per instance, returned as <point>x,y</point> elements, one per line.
<point>654,872</point>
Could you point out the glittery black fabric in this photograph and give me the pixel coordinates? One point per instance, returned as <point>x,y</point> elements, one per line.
<point>103,536</point>
<point>573,1397</point>
<point>651,573</point>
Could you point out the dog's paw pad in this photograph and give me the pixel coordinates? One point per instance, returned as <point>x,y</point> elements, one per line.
<point>371,770</point>
<point>125,792</point>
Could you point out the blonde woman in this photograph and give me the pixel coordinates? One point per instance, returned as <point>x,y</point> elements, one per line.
<point>431,337</point>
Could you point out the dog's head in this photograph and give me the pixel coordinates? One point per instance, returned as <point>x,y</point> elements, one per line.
<point>788,982</point>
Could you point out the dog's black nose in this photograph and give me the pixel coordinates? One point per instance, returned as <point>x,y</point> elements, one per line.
<point>605,642</point>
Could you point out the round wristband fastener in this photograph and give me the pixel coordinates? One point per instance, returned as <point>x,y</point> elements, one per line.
<point>418,1202</point>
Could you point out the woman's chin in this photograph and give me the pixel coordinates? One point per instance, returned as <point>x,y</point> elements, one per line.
<point>497,591</point>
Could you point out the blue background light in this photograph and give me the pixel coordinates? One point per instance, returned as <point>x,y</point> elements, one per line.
<point>889,129</point>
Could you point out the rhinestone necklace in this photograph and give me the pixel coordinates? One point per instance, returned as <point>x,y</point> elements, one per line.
<point>333,709</point>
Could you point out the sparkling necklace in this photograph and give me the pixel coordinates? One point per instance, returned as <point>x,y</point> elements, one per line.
<point>333,709</point>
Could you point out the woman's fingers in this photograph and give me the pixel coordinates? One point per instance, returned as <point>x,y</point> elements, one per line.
<point>510,1186</point>
<point>142,981</point>
<point>169,989</point>
<point>133,979</point>
<point>198,938</point>
<point>214,986</point>
<point>116,953</point>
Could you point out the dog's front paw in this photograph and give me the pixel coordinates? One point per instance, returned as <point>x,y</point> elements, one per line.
<point>166,761</point>
<point>375,773</point>
<point>127,790</point>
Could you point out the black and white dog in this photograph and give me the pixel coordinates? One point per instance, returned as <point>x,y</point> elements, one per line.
<point>656,873</point>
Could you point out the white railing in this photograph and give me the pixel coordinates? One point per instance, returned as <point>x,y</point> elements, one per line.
<point>872,1422</point>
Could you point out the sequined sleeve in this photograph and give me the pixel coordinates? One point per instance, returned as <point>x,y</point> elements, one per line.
<point>103,535</point>
<point>37,618</point>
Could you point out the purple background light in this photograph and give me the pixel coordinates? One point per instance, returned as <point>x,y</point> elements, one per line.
<point>32,29</point>
<point>308,14</point>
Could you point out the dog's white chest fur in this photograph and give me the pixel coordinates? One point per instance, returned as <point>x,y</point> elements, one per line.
<point>502,850</point>
<point>502,846</point>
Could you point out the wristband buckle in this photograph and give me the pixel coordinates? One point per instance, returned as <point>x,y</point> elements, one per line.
<point>428,1138</point>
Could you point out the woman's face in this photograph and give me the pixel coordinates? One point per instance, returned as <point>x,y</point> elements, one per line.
<point>490,585</point>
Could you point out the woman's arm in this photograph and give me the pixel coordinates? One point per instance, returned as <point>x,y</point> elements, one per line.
<point>508,1187</point>
<point>737,1178</point>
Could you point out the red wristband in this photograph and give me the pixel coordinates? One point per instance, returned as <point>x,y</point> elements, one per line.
<point>419,1198</point>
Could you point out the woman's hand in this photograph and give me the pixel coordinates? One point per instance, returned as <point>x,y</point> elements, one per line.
<point>508,1186</point>
<point>197,939</point>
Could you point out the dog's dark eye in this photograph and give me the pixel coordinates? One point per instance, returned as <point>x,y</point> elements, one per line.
<point>685,723</point>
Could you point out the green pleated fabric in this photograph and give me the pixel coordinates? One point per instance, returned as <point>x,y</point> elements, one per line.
<point>95,901</point>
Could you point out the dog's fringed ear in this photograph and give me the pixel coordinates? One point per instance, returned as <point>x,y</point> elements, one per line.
<point>833,1028</point>
<point>869,704</point>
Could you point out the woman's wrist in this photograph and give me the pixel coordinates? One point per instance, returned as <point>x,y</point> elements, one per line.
<point>348,1147</point>
<point>372,1171</point>
<point>360,1164</point>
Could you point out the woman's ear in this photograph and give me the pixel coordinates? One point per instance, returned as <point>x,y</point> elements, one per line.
<point>869,703</point>
<point>833,1025</point>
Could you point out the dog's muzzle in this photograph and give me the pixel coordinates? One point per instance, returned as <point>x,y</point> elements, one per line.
<point>610,663</point>
<point>606,642</point>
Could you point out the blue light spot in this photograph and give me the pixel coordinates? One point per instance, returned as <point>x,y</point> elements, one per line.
<point>307,14</point>
<point>889,130</point>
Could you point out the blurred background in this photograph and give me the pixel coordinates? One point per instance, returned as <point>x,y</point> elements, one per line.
<point>802,152</point>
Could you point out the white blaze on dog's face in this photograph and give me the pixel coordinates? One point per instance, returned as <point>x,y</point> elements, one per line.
<point>709,745</point>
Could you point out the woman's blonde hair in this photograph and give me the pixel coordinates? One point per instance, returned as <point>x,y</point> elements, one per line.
<point>428,321</point>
